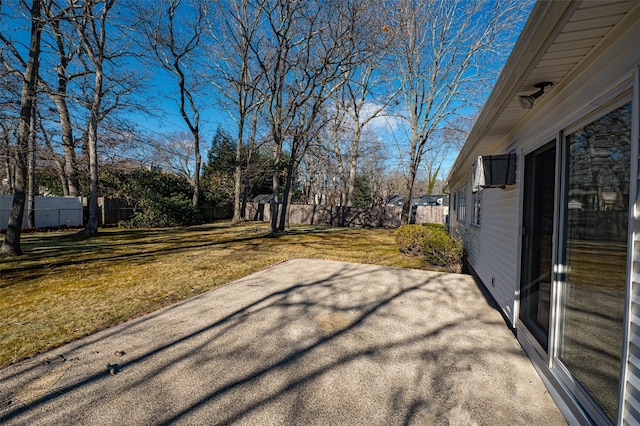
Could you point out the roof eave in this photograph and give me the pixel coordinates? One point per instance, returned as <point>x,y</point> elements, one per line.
<point>545,21</point>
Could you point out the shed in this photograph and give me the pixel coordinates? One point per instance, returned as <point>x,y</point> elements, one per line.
<point>558,246</point>
<point>418,200</point>
<point>263,198</point>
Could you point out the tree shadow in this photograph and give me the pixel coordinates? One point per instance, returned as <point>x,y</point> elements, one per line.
<point>254,349</point>
<point>106,249</point>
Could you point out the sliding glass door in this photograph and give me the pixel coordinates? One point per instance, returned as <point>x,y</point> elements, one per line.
<point>594,254</point>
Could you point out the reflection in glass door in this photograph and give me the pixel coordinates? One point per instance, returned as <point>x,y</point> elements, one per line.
<point>535,281</point>
<point>595,254</point>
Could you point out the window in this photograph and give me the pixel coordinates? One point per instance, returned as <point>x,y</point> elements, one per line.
<point>477,207</point>
<point>461,208</point>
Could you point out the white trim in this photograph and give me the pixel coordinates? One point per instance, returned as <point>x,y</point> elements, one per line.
<point>516,300</point>
<point>616,96</point>
<point>558,226</point>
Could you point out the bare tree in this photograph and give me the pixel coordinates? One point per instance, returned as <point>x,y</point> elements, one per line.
<point>10,84</point>
<point>371,171</point>
<point>31,164</point>
<point>174,152</point>
<point>107,85</point>
<point>274,53</point>
<point>91,28</point>
<point>52,156</point>
<point>364,92</point>
<point>355,108</point>
<point>236,79</point>
<point>176,43</point>
<point>65,44</point>
<point>7,155</point>
<point>11,244</point>
<point>445,143</point>
<point>338,132</point>
<point>300,54</point>
<point>442,51</point>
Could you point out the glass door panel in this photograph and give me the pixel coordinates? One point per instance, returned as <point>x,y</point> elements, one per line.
<point>593,294</point>
<point>535,281</point>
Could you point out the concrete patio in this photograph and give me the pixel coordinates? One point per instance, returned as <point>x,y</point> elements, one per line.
<point>305,342</point>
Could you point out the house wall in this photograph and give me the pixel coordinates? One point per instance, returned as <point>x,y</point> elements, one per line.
<point>499,239</point>
<point>494,247</point>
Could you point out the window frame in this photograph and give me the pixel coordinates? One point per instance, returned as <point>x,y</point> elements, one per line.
<point>583,395</point>
<point>477,208</point>
<point>461,207</point>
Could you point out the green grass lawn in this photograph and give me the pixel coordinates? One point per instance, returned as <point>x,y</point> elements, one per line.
<point>66,287</point>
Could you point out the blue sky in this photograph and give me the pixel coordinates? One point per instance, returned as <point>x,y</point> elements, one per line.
<point>214,116</point>
<point>163,91</point>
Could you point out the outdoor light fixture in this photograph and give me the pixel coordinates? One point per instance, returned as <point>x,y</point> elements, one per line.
<point>526,102</point>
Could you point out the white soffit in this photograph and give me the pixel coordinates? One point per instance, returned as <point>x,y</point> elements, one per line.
<point>583,32</point>
<point>558,37</point>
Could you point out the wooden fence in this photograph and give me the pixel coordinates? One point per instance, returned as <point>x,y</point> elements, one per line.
<point>379,217</point>
<point>113,210</point>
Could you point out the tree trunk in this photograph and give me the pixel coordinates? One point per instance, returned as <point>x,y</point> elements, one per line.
<point>286,196</point>
<point>245,184</point>
<point>11,244</point>
<point>406,212</point>
<point>237,175</point>
<point>31,168</point>
<point>243,204</point>
<point>64,182</point>
<point>92,224</point>
<point>344,184</point>
<point>353,164</point>
<point>406,206</point>
<point>68,145</point>
<point>7,158</point>
<point>196,173</point>
<point>273,226</point>
<point>92,140</point>
<point>59,97</point>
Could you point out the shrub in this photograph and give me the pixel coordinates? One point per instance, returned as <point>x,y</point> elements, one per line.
<point>163,200</point>
<point>436,226</point>
<point>409,239</point>
<point>440,249</point>
<point>164,212</point>
<point>432,243</point>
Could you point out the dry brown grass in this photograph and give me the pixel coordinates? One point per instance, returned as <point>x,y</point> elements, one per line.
<point>66,287</point>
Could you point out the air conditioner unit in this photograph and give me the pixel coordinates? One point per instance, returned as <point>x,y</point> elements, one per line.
<point>493,171</point>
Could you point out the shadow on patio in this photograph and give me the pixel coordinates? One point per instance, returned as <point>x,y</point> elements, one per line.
<point>304,342</point>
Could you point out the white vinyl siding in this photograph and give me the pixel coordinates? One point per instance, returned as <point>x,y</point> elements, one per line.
<point>497,245</point>
<point>492,250</point>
